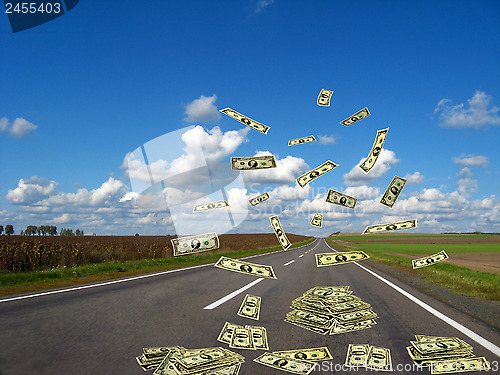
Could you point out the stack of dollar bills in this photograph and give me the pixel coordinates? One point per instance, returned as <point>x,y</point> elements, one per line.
<point>181,361</point>
<point>331,309</point>
<point>369,356</point>
<point>445,354</point>
<point>244,337</point>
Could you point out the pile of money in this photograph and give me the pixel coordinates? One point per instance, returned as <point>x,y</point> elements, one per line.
<point>330,309</point>
<point>244,337</point>
<point>176,360</point>
<point>368,356</point>
<point>295,366</point>
<point>445,354</point>
<point>333,259</point>
<point>428,260</point>
<point>247,268</point>
<point>195,244</point>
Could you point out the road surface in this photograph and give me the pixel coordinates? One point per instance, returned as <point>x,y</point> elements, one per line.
<point>100,329</point>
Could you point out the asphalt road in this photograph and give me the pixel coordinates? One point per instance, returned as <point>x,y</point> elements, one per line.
<point>100,330</point>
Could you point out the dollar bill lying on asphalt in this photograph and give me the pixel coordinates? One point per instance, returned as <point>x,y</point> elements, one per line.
<point>245,120</point>
<point>400,225</point>
<point>244,337</point>
<point>429,260</point>
<point>247,268</point>
<point>210,206</point>
<point>250,307</point>
<point>334,259</point>
<point>372,158</point>
<point>460,365</point>
<point>259,199</point>
<point>195,244</point>
<point>280,233</point>
<point>310,354</point>
<point>317,220</point>
<point>252,163</point>
<point>295,366</point>
<point>392,192</point>
<point>330,310</point>
<point>299,141</point>
<point>368,356</point>
<point>361,114</point>
<point>324,98</point>
<point>179,360</point>
<point>315,173</point>
<point>341,199</point>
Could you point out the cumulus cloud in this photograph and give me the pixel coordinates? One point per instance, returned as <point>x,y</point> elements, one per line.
<point>262,4</point>
<point>472,160</point>
<point>286,171</point>
<point>31,191</point>
<point>363,192</point>
<point>202,109</point>
<point>20,128</point>
<point>478,113</point>
<point>326,139</point>
<point>414,179</point>
<point>356,176</point>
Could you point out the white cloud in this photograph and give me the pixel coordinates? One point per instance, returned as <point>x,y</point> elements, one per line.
<point>286,171</point>
<point>31,191</point>
<point>262,4</point>
<point>64,218</point>
<point>476,115</point>
<point>472,160</point>
<point>326,139</point>
<point>414,179</point>
<point>356,176</point>
<point>202,110</point>
<point>363,192</point>
<point>20,128</point>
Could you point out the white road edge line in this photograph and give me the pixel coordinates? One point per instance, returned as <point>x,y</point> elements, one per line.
<point>290,262</point>
<point>466,331</point>
<point>300,256</point>
<point>132,278</point>
<point>232,295</point>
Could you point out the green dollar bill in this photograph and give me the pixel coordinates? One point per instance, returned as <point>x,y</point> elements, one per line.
<point>195,244</point>
<point>367,165</point>
<point>250,307</point>
<point>334,259</point>
<point>429,260</point>
<point>295,366</point>
<point>317,220</point>
<point>324,97</point>
<point>210,206</point>
<point>280,233</point>
<point>357,354</point>
<point>246,268</point>
<point>392,192</point>
<point>341,199</point>
<point>315,173</point>
<point>400,225</point>
<point>259,199</point>
<point>460,365</point>
<point>379,359</point>
<point>310,354</point>
<point>246,120</point>
<point>299,141</point>
<point>361,114</point>
<point>251,163</point>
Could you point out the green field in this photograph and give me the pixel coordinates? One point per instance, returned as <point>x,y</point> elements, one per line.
<point>430,248</point>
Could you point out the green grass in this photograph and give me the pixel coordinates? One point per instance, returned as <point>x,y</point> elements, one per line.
<point>460,280</point>
<point>17,282</point>
<point>430,248</point>
<point>368,237</point>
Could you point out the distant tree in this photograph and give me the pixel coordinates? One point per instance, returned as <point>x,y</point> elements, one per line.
<point>30,230</point>
<point>137,234</point>
<point>1,229</point>
<point>9,229</point>
<point>66,232</point>
<point>81,232</point>
<point>53,230</point>
<point>77,232</point>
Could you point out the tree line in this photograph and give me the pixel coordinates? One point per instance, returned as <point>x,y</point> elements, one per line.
<point>42,230</point>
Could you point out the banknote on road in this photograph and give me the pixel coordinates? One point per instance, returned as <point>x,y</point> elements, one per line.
<point>246,268</point>
<point>392,192</point>
<point>210,206</point>
<point>334,259</point>
<point>429,260</point>
<point>245,120</point>
<point>242,339</point>
<point>361,114</point>
<point>259,199</point>
<point>400,225</point>
<point>280,233</point>
<point>379,359</point>
<point>317,220</point>
<point>252,163</point>
<point>436,346</point>
<point>357,354</point>
<point>310,354</point>
<point>195,244</point>
<point>250,307</point>
<point>341,199</point>
<point>370,161</point>
<point>324,98</point>
<point>259,336</point>
<point>295,366</point>
<point>227,332</point>
<point>460,365</point>
<point>315,173</point>
<point>299,141</point>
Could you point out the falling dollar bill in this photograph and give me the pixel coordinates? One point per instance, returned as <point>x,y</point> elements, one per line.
<point>333,259</point>
<point>392,192</point>
<point>253,163</point>
<point>245,120</point>
<point>360,115</point>
<point>210,206</point>
<point>259,199</point>
<point>299,141</point>
<point>310,354</point>
<point>324,98</point>
<point>315,173</point>
<point>341,199</point>
<point>259,336</point>
<point>428,260</point>
<point>400,225</point>
<point>370,161</point>
<point>250,307</point>
<point>317,220</point>
<point>460,365</point>
<point>247,268</point>
<point>379,359</point>
<point>280,234</point>
<point>195,244</point>
<point>295,366</point>
<point>357,354</point>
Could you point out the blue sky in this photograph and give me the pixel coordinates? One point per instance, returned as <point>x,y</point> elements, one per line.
<point>82,92</point>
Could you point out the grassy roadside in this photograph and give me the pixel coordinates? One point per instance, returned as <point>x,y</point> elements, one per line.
<point>460,280</point>
<point>16,283</point>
